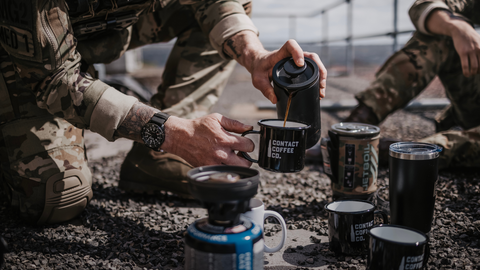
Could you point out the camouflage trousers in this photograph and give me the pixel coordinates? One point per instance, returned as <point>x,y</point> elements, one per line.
<point>408,72</point>
<point>43,162</point>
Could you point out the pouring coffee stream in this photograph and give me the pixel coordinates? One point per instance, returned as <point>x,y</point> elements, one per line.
<point>290,96</point>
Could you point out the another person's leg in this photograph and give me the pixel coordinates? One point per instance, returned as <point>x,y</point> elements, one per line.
<point>194,77</point>
<point>401,78</point>
<point>425,60</point>
<point>460,148</point>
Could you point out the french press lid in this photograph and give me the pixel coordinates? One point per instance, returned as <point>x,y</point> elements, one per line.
<point>353,129</point>
<point>415,150</point>
<point>291,77</point>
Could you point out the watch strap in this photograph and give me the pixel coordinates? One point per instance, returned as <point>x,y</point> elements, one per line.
<point>159,118</point>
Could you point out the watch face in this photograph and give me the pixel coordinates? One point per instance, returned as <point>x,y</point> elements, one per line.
<point>152,135</point>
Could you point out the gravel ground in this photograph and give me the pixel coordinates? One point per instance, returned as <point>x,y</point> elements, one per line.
<point>120,230</point>
<point>126,231</point>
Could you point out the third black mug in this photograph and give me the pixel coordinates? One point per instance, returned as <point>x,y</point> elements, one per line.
<point>348,225</point>
<point>397,247</point>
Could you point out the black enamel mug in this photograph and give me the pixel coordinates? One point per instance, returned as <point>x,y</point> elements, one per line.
<point>282,149</point>
<point>348,225</point>
<point>397,247</point>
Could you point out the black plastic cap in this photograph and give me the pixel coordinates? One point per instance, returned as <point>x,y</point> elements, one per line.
<point>287,75</point>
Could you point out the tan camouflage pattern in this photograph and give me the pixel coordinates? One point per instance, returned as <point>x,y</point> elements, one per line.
<point>48,64</point>
<point>195,73</point>
<point>51,79</point>
<point>468,9</point>
<point>460,148</point>
<point>34,145</point>
<point>358,171</point>
<point>35,149</point>
<point>408,72</point>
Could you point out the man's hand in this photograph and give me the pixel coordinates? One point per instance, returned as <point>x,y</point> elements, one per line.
<point>207,140</point>
<point>465,39</point>
<point>467,45</point>
<point>246,48</point>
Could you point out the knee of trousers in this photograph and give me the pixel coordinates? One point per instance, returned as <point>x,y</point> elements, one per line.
<point>45,169</point>
<point>62,197</point>
<point>66,196</point>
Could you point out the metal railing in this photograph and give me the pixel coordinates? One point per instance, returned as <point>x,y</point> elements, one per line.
<point>325,41</point>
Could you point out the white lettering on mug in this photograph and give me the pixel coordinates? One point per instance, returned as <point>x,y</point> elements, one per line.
<point>411,262</point>
<point>281,147</point>
<point>359,230</point>
<point>415,259</point>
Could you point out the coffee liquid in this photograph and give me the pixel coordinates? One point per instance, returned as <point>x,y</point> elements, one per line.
<point>288,108</point>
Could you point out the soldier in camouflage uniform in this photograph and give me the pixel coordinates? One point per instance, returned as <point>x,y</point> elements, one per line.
<point>445,45</point>
<point>49,94</point>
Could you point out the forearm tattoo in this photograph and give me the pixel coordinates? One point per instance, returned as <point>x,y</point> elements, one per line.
<point>232,52</point>
<point>136,118</point>
<point>453,16</point>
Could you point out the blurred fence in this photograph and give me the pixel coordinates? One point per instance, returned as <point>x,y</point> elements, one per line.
<point>349,38</point>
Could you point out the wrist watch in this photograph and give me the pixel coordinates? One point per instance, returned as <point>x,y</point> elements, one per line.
<point>153,133</point>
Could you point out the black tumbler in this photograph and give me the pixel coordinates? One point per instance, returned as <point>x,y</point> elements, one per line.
<point>302,84</point>
<point>413,174</point>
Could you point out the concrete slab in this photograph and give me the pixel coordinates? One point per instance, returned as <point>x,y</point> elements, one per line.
<point>305,243</point>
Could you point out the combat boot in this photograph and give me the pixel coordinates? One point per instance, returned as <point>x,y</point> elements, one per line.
<point>363,114</point>
<point>147,171</point>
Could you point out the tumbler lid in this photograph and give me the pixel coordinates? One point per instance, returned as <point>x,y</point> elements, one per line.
<point>414,150</point>
<point>291,77</point>
<point>356,129</point>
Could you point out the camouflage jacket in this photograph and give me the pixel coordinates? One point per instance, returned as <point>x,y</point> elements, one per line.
<point>41,45</point>
<point>467,9</point>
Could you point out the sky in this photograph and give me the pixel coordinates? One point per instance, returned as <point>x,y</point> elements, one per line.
<point>369,17</point>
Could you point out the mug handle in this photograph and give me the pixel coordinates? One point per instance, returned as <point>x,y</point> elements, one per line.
<point>245,155</point>
<point>280,219</point>
<point>383,214</point>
